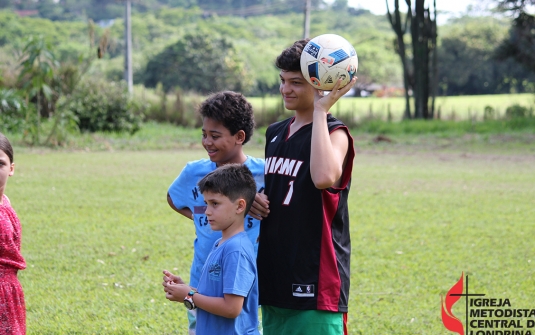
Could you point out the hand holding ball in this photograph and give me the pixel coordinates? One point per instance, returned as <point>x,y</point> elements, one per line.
<point>326,58</point>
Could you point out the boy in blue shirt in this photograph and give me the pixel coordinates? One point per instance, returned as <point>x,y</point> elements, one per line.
<point>226,298</point>
<point>228,124</point>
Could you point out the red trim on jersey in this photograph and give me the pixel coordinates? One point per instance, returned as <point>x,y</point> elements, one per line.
<point>346,177</point>
<point>288,129</point>
<point>329,283</point>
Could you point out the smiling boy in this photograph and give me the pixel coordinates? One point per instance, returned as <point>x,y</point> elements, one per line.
<point>228,124</point>
<point>303,259</point>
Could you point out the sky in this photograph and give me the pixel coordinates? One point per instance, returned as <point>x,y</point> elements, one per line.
<point>379,6</point>
<point>445,8</point>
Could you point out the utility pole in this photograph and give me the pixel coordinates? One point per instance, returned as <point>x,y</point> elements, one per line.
<point>306,32</point>
<point>128,47</point>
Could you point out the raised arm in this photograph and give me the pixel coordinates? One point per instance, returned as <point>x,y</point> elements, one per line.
<point>328,151</point>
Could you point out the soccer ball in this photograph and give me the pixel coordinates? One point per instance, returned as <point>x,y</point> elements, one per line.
<point>326,58</point>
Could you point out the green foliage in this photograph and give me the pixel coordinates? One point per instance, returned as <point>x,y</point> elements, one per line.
<point>489,113</point>
<point>467,64</point>
<point>13,108</point>
<point>14,28</point>
<point>518,111</point>
<point>519,44</point>
<point>38,65</point>
<point>177,108</point>
<point>103,106</point>
<point>257,40</point>
<point>447,127</point>
<point>200,61</point>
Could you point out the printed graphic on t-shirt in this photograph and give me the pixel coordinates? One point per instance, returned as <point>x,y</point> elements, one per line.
<point>303,290</point>
<point>214,272</point>
<point>195,193</point>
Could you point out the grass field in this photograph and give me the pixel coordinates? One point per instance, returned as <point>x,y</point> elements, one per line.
<point>456,107</point>
<point>452,107</point>
<point>97,232</point>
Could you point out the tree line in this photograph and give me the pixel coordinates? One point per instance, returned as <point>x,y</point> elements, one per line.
<point>176,46</point>
<point>105,9</point>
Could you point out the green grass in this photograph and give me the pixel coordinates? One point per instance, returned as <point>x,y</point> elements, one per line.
<point>510,134</point>
<point>457,107</point>
<point>97,232</point>
<point>452,107</point>
<point>451,128</point>
<point>420,219</point>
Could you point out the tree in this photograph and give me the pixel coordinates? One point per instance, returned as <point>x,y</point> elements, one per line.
<point>5,3</point>
<point>38,64</point>
<point>467,66</point>
<point>520,44</point>
<point>339,5</point>
<point>421,78</point>
<point>200,62</point>
<point>514,5</point>
<point>48,9</point>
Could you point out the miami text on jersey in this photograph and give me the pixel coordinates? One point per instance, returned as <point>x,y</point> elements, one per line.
<point>283,166</point>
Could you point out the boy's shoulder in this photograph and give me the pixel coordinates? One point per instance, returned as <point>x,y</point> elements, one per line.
<point>239,242</point>
<point>234,248</point>
<point>193,171</point>
<point>334,122</point>
<point>254,161</point>
<point>200,165</point>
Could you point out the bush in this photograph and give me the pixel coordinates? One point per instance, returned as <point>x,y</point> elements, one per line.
<point>104,106</point>
<point>178,108</point>
<point>200,61</point>
<point>518,111</point>
<point>12,111</point>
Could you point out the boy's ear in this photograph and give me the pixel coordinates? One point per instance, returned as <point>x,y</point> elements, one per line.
<point>240,137</point>
<point>242,204</point>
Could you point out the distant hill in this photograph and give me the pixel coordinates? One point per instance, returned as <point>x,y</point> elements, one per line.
<point>258,39</point>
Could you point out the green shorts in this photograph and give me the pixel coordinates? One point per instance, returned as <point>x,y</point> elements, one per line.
<point>277,321</point>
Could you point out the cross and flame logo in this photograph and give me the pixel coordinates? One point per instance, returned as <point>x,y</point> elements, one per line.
<point>450,321</point>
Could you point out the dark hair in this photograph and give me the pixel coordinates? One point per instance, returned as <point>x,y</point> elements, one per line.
<point>233,181</point>
<point>6,147</point>
<point>232,110</point>
<point>290,58</point>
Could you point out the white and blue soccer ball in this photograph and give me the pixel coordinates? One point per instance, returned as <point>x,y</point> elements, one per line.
<point>326,58</point>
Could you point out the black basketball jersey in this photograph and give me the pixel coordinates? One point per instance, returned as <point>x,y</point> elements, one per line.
<point>305,248</point>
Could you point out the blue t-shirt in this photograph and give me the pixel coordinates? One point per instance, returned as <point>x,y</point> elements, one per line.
<point>185,194</point>
<point>230,269</point>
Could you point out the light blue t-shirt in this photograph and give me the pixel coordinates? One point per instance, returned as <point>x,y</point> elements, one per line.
<point>185,194</point>
<point>230,269</point>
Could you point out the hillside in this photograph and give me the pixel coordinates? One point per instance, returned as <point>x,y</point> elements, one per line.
<point>258,39</point>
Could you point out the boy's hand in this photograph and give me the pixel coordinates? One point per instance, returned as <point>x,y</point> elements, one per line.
<point>176,292</point>
<point>325,102</point>
<point>168,277</point>
<point>260,207</point>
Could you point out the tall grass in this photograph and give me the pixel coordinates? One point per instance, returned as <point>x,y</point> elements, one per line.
<point>179,107</point>
<point>513,125</point>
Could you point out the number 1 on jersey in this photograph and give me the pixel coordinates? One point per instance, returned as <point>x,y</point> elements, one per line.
<point>289,194</point>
